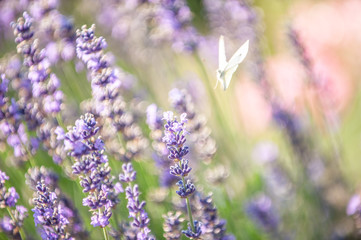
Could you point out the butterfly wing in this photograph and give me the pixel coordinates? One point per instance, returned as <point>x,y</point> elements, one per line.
<point>233,63</point>
<point>228,76</point>
<point>238,56</point>
<point>221,54</point>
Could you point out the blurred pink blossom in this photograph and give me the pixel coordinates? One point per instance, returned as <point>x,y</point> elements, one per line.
<point>254,110</point>
<point>288,79</point>
<point>328,30</point>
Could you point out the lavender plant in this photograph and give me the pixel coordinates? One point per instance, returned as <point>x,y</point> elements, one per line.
<point>44,85</point>
<point>49,214</point>
<point>305,185</point>
<point>12,128</point>
<point>213,226</point>
<point>44,101</point>
<point>172,225</point>
<point>56,30</point>
<point>107,101</point>
<point>174,137</point>
<point>91,164</point>
<point>203,143</point>
<point>157,22</point>
<point>75,226</point>
<point>135,206</point>
<point>12,225</point>
<point>160,155</point>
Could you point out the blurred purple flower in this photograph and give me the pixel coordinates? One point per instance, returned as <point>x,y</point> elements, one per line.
<point>202,142</point>
<point>261,211</point>
<point>107,85</point>
<point>8,199</point>
<point>354,205</point>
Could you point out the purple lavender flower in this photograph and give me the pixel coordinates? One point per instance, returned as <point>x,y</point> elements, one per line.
<point>11,197</point>
<point>154,119</point>
<point>8,11</point>
<point>156,22</point>
<point>213,227</point>
<point>186,189</point>
<point>128,174</point>
<point>3,178</point>
<point>8,199</point>
<point>12,226</point>
<point>261,211</point>
<point>92,166</point>
<point>44,98</point>
<point>44,85</point>
<point>172,225</point>
<point>49,214</point>
<point>174,137</point>
<point>3,89</point>
<point>5,224</point>
<point>50,179</point>
<point>204,145</point>
<point>12,130</point>
<point>160,155</point>
<point>135,206</point>
<point>354,209</point>
<point>55,30</point>
<point>107,84</point>
<point>174,19</point>
<point>298,46</point>
<point>18,140</point>
<point>238,16</point>
<point>193,234</point>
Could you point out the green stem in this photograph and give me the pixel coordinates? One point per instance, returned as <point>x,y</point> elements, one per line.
<point>190,215</point>
<point>104,229</point>
<point>21,231</point>
<point>189,210</point>
<point>105,234</point>
<point>60,121</point>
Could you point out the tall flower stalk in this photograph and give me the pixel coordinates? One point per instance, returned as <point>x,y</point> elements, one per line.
<point>91,164</point>
<point>43,102</point>
<point>38,175</point>
<point>160,155</point>
<point>135,206</point>
<point>175,139</point>
<point>204,144</point>
<point>107,84</point>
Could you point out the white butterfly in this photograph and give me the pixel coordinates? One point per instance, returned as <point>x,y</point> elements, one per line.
<point>226,69</point>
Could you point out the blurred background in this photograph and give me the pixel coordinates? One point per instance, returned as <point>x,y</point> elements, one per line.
<point>279,149</point>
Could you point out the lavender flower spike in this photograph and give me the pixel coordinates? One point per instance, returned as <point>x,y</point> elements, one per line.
<point>160,155</point>
<point>92,165</point>
<point>48,213</point>
<point>171,226</point>
<point>8,198</point>
<point>174,137</point>
<point>135,206</point>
